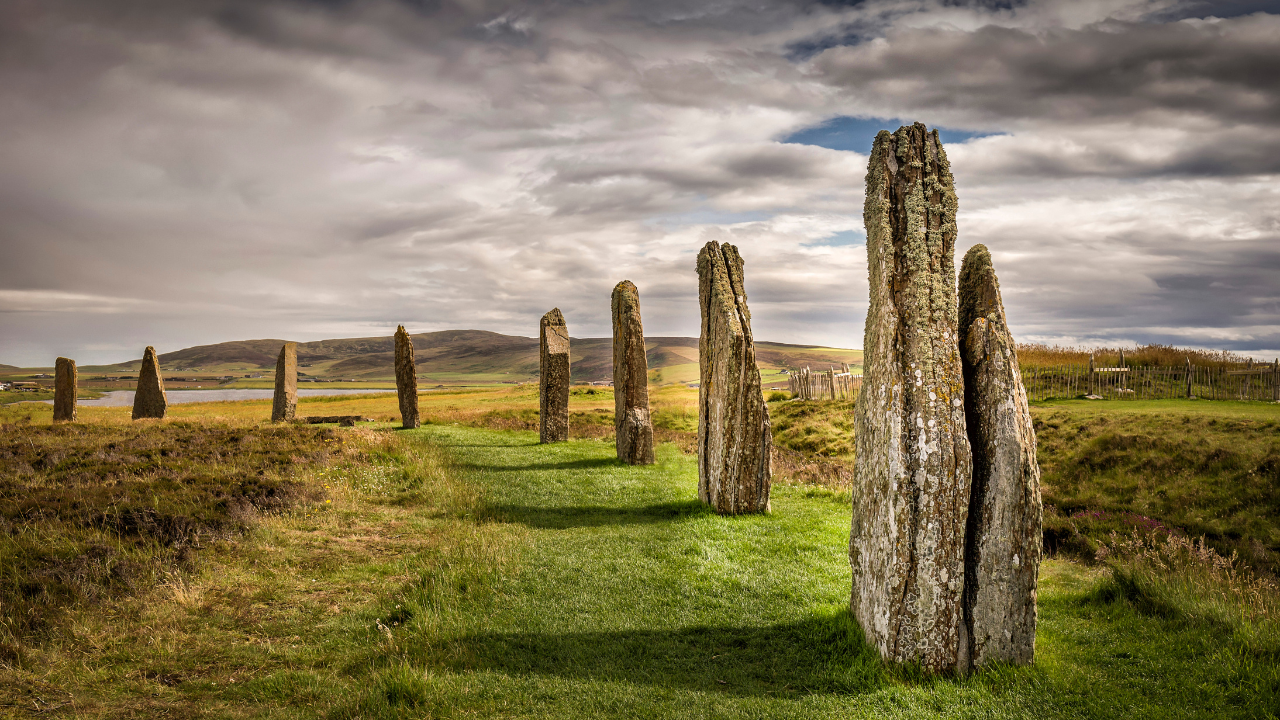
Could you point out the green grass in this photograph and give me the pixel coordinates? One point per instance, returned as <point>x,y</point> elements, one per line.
<point>1197,467</point>
<point>456,571</point>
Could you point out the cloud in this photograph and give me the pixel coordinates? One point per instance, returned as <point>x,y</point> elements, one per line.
<point>311,169</point>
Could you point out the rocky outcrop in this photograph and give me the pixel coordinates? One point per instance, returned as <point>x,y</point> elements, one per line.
<point>553,378</point>
<point>64,390</point>
<point>284,405</point>
<point>633,428</point>
<point>734,440</point>
<point>149,401</point>
<point>913,467</point>
<point>1002,556</point>
<point>406,380</point>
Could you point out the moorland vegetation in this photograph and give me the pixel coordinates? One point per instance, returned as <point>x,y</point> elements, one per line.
<point>214,565</point>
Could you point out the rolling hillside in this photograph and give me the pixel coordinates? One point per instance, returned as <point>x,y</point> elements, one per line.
<point>477,356</point>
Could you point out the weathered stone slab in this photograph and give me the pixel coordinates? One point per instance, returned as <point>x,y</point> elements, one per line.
<point>149,401</point>
<point>64,390</point>
<point>553,378</point>
<point>734,440</point>
<point>633,428</point>
<point>1002,556</point>
<point>284,405</point>
<point>343,420</point>
<point>406,380</point>
<point>913,465</point>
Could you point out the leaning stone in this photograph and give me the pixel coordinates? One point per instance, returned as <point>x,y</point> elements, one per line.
<point>734,440</point>
<point>64,390</point>
<point>284,406</point>
<point>553,378</point>
<point>149,401</point>
<point>913,466</point>
<point>406,380</point>
<point>1002,556</point>
<point>633,427</point>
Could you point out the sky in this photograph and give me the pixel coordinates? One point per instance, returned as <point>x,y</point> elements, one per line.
<point>189,172</point>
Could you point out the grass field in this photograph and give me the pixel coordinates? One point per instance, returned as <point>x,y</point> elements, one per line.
<point>464,571</point>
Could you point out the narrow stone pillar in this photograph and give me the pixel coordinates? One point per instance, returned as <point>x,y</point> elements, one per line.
<point>64,390</point>
<point>633,429</point>
<point>406,380</point>
<point>913,464</point>
<point>1002,546</point>
<point>553,378</point>
<point>149,401</point>
<point>734,440</point>
<point>284,406</point>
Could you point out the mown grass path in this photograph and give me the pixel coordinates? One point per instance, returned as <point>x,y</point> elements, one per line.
<point>625,598</point>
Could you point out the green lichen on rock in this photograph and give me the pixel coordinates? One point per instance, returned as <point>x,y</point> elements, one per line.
<point>913,467</point>
<point>1004,528</point>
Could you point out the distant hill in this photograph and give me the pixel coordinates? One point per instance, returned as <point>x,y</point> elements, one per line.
<point>474,355</point>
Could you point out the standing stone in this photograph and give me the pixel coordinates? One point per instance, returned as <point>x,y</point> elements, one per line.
<point>633,429</point>
<point>1002,556</point>
<point>913,465</point>
<point>553,378</point>
<point>406,380</point>
<point>285,403</point>
<point>64,390</point>
<point>734,441</point>
<point>149,401</point>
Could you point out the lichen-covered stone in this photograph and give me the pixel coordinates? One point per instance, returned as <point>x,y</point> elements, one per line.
<point>633,427</point>
<point>149,401</point>
<point>734,440</point>
<point>913,465</point>
<point>284,404</point>
<point>406,380</point>
<point>553,378</point>
<point>1005,512</point>
<point>64,390</point>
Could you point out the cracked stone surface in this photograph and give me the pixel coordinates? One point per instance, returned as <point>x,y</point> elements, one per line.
<point>553,378</point>
<point>150,401</point>
<point>64,390</point>
<point>633,428</point>
<point>406,379</point>
<point>284,404</point>
<point>1004,532</point>
<point>734,440</point>
<point>913,468</point>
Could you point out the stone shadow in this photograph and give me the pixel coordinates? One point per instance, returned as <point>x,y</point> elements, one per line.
<point>820,655</point>
<point>561,517</point>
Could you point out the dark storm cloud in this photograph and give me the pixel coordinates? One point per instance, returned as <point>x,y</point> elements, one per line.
<point>188,172</point>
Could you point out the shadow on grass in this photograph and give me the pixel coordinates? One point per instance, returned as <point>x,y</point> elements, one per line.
<point>820,655</point>
<point>583,464</point>
<point>559,518</point>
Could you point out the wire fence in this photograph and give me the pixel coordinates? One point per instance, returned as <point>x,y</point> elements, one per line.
<point>1122,382</point>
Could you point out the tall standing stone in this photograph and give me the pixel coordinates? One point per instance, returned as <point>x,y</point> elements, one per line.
<point>64,390</point>
<point>913,465</point>
<point>632,425</point>
<point>553,378</point>
<point>406,380</point>
<point>284,405</point>
<point>149,400</point>
<point>1005,513</point>
<point>734,441</point>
